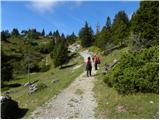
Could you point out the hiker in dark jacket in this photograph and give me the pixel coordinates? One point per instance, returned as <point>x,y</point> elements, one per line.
<point>89,67</point>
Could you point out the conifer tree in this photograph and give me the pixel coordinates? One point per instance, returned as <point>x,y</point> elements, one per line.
<point>145,24</point>
<point>104,38</point>
<point>120,28</point>
<point>60,53</point>
<point>86,35</point>
<point>15,32</point>
<point>43,32</point>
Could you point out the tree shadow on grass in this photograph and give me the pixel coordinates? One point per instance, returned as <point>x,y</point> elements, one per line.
<point>73,55</point>
<point>67,66</point>
<point>13,85</point>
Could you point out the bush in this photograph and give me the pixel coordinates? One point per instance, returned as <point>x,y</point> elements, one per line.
<point>43,66</point>
<point>41,86</point>
<point>136,72</point>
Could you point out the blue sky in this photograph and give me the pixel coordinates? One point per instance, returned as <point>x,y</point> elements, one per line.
<point>65,16</point>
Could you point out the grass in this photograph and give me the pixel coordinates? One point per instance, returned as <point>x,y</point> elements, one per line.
<point>140,105</point>
<point>32,101</point>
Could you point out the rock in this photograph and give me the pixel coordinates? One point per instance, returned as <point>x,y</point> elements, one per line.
<point>32,91</point>
<point>27,84</point>
<point>32,88</point>
<point>30,83</point>
<point>8,107</point>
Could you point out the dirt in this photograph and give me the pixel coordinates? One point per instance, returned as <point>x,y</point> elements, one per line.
<point>76,101</point>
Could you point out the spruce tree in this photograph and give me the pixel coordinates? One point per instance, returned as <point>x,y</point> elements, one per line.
<point>56,36</point>
<point>43,33</point>
<point>15,32</point>
<point>108,23</point>
<point>120,28</point>
<point>71,38</point>
<point>145,24</point>
<point>104,38</point>
<point>60,53</point>
<point>50,33</point>
<point>86,35</point>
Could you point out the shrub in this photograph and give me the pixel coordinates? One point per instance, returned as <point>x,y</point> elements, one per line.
<point>136,72</point>
<point>41,86</point>
<point>43,66</point>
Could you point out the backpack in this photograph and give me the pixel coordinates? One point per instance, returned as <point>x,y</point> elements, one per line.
<point>88,66</point>
<point>98,60</point>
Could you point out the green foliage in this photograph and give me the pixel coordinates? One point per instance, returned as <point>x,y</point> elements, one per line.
<point>43,33</point>
<point>6,67</point>
<point>120,28</point>
<point>5,35</point>
<point>50,33</point>
<point>41,86</point>
<point>108,23</point>
<point>15,32</point>
<point>60,52</point>
<point>86,35</point>
<point>104,38</point>
<point>33,34</point>
<point>46,47</point>
<point>136,72</point>
<point>43,66</point>
<point>145,24</point>
<point>71,38</point>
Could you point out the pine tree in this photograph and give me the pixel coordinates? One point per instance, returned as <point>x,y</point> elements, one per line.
<point>120,28</point>
<point>104,38</point>
<point>5,35</point>
<point>15,32</point>
<point>56,36</point>
<point>145,24</point>
<point>50,33</point>
<point>71,38</point>
<point>108,23</point>
<point>43,33</point>
<point>33,34</point>
<point>60,53</point>
<point>86,35</point>
<point>97,28</point>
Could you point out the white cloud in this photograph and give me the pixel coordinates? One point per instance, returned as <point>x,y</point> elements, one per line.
<point>42,6</point>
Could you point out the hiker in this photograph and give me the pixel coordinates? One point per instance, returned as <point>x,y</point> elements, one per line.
<point>96,60</point>
<point>89,67</point>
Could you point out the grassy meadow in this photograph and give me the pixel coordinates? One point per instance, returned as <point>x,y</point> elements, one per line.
<point>47,88</point>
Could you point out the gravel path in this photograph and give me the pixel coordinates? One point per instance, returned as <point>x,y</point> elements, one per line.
<point>76,101</point>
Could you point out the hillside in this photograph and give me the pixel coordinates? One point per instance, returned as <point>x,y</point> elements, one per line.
<point>106,68</point>
<point>111,104</point>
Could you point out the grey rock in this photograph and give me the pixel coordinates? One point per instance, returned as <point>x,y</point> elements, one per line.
<point>27,84</point>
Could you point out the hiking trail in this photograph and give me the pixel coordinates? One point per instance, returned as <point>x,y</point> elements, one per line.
<point>76,101</point>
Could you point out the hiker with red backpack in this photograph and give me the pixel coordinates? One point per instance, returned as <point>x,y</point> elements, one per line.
<point>88,67</point>
<point>96,60</point>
